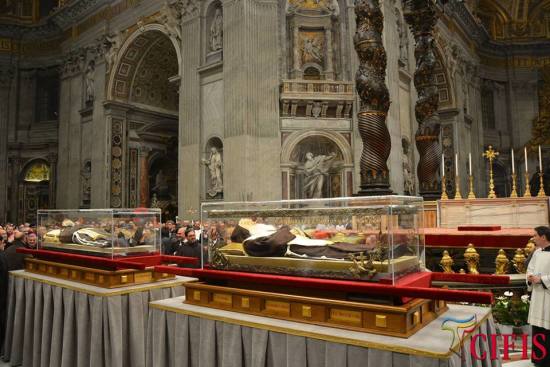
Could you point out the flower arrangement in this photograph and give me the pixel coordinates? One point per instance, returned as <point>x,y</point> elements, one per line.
<point>511,311</point>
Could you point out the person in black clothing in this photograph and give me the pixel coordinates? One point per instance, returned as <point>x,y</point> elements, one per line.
<point>172,244</point>
<point>191,248</point>
<point>13,259</point>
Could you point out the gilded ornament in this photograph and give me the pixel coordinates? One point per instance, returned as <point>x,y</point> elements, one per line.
<point>447,262</point>
<point>501,263</point>
<point>472,259</point>
<point>520,261</point>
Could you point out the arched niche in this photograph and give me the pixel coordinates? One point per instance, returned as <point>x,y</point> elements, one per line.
<point>34,189</point>
<point>213,168</point>
<point>320,153</point>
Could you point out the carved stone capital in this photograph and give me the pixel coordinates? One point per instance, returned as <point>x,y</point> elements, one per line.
<point>74,62</point>
<point>170,18</point>
<point>188,9</point>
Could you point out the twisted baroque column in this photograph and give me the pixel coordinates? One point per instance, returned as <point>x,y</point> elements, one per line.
<point>374,96</point>
<point>421,15</point>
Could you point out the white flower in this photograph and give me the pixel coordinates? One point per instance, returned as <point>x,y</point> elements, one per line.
<point>525,298</point>
<point>508,294</point>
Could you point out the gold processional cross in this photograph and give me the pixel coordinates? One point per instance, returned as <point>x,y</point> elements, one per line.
<point>491,154</point>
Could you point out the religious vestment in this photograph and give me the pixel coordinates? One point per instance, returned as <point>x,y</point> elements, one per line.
<point>539,311</point>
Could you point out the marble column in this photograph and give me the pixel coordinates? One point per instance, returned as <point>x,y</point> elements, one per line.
<point>144,177</point>
<point>6,87</point>
<point>375,99</point>
<point>421,15</point>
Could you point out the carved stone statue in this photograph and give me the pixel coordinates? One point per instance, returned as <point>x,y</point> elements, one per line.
<point>216,31</point>
<point>215,166</point>
<point>86,175</point>
<point>408,177</point>
<point>311,51</point>
<point>161,185</point>
<point>90,82</point>
<point>316,168</point>
<point>111,45</point>
<point>316,109</point>
<point>403,38</point>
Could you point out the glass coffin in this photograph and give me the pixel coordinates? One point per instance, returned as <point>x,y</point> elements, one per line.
<point>373,239</point>
<point>104,232</point>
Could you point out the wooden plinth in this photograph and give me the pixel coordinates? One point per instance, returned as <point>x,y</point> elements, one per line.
<point>96,277</point>
<point>400,321</point>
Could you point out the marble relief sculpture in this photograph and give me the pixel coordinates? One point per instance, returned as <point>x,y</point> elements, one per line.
<point>215,166</point>
<point>90,82</point>
<point>216,31</point>
<point>403,38</point>
<point>316,168</point>
<point>311,51</point>
<point>408,177</point>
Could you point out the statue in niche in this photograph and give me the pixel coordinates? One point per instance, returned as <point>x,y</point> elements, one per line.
<point>215,166</point>
<point>111,45</point>
<point>161,185</point>
<point>86,174</point>
<point>316,109</point>
<point>90,82</point>
<point>216,31</point>
<point>403,38</point>
<point>408,177</point>
<point>311,51</point>
<point>316,169</point>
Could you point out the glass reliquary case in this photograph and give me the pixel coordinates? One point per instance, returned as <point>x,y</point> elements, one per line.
<point>373,239</point>
<point>100,232</point>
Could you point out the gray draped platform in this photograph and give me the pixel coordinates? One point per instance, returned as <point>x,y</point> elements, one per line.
<point>185,335</point>
<point>54,322</point>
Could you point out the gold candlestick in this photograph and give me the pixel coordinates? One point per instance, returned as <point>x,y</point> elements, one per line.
<point>471,194</point>
<point>514,193</point>
<point>443,189</point>
<point>491,154</point>
<point>527,193</point>
<point>457,188</point>
<point>541,190</point>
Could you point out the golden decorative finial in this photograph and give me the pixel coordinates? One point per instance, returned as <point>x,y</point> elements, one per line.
<point>541,193</point>
<point>491,154</point>
<point>514,193</point>
<point>501,263</point>
<point>457,188</point>
<point>519,261</point>
<point>447,262</point>
<point>462,271</point>
<point>444,189</point>
<point>529,248</point>
<point>471,194</point>
<point>472,259</point>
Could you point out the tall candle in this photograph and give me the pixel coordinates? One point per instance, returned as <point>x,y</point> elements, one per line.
<point>456,164</point>
<point>470,161</point>
<point>540,159</point>
<point>513,166</point>
<point>442,165</point>
<point>526,168</point>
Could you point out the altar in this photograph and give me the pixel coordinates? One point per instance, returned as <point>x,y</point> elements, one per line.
<point>181,334</point>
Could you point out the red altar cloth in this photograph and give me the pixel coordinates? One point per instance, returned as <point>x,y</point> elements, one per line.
<point>504,238</point>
